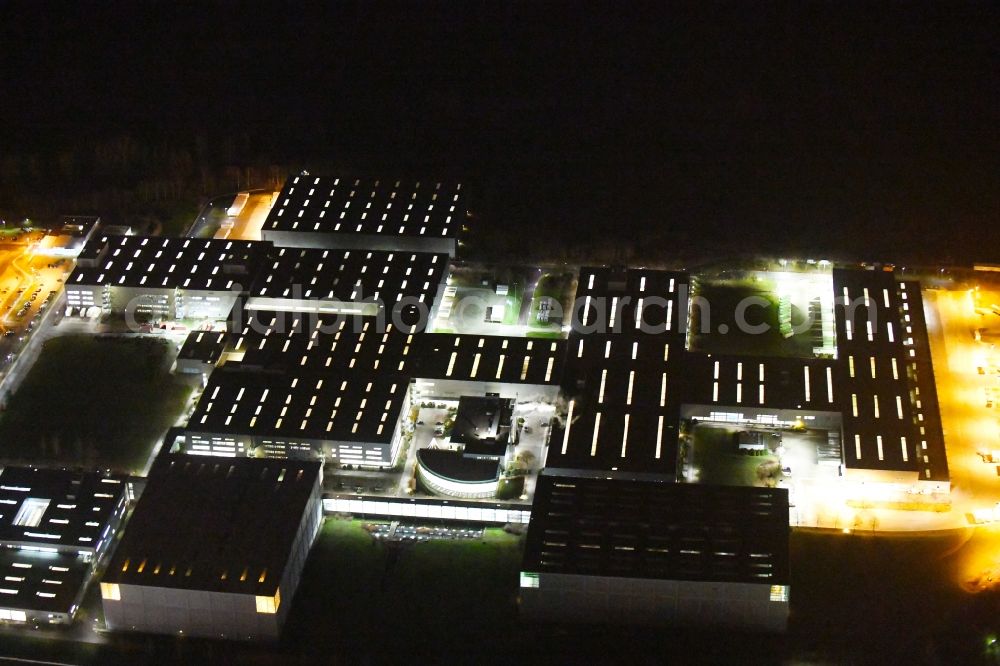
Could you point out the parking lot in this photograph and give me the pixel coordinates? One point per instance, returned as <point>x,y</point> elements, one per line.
<point>395,531</point>
<point>29,283</point>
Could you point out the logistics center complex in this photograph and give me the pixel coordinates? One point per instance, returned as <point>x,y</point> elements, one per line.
<point>318,349</point>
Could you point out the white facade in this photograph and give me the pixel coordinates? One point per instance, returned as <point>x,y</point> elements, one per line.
<point>374,454</point>
<point>157,302</point>
<point>445,389</point>
<point>442,485</point>
<point>429,508</point>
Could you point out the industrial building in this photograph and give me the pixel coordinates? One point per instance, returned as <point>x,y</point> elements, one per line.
<point>366,214</point>
<point>214,548</point>
<point>336,415</point>
<point>56,527</point>
<point>630,392</point>
<point>339,387</point>
<point>449,365</point>
<point>655,552</point>
<point>306,385</point>
<point>484,425</point>
<point>483,435</point>
<point>452,474</point>
<point>623,355</point>
<point>70,237</point>
<point>200,352</point>
<point>162,278</point>
<point>365,282</point>
<point>892,427</point>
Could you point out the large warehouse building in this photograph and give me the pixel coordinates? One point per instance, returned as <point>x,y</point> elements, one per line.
<point>629,391</point>
<point>646,552</point>
<point>214,548</point>
<point>366,214</point>
<point>622,358</point>
<point>306,385</point>
<point>310,385</point>
<point>327,358</point>
<point>366,282</point>
<point>162,278</point>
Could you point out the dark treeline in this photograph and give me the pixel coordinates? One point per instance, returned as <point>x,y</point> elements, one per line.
<point>589,206</point>
<point>144,181</point>
<point>619,134</point>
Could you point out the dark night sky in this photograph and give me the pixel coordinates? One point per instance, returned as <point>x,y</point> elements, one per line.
<point>815,126</point>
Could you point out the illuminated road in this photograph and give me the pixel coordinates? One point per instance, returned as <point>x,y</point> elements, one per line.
<point>26,286</point>
<point>250,221</point>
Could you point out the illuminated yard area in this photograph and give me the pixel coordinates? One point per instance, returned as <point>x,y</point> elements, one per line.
<point>521,301</point>
<point>963,332</point>
<point>550,303</point>
<point>789,314</point>
<point>789,458</point>
<point>716,460</point>
<point>93,401</point>
<point>28,278</point>
<point>236,217</point>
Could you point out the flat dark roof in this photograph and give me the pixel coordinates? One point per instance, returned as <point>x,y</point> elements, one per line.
<point>456,467</point>
<point>218,525</point>
<point>204,346</point>
<point>890,411</point>
<point>300,406</point>
<point>351,275</point>
<point>385,207</point>
<point>482,417</point>
<point>659,530</point>
<point>489,358</point>
<point>166,263</point>
<point>41,582</point>
<point>312,342</point>
<point>622,361</point>
<point>614,297</point>
<point>626,387</point>
<point>932,433</point>
<point>69,509</point>
<point>622,412</point>
<point>760,381</point>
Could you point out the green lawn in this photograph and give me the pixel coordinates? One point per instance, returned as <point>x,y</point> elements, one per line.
<point>176,218</point>
<point>555,286</point>
<point>723,299</point>
<point>512,309</point>
<point>213,222</point>
<point>716,458</point>
<point>362,592</point>
<point>96,402</point>
<point>545,334</point>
